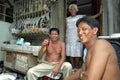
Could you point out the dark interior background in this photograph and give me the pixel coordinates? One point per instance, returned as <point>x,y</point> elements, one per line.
<point>87,7</point>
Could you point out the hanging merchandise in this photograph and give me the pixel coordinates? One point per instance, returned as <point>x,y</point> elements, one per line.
<point>32,15</point>
<point>13,28</point>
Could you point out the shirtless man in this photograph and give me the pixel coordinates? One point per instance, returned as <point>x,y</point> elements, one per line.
<point>54,60</point>
<point>101,61</point>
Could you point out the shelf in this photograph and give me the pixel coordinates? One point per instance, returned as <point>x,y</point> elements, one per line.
<point>41,34</point>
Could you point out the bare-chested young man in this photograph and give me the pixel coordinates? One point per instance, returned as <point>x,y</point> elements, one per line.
<point>54,60</point>
<point>101,61</point>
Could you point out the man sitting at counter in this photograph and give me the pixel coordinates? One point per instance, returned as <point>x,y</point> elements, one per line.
<point>54,59</point>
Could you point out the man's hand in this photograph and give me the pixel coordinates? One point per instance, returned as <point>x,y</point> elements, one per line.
<point>45,42</point>
<point>55,71</point>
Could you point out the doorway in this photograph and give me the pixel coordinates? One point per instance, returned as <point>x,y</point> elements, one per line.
<point>87,7</point>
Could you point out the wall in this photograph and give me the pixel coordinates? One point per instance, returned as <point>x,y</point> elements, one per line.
<point>58,16</point>
<point>111,17</point>
<point>4,35</point>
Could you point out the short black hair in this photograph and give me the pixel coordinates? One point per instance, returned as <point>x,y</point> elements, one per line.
<point>54,29</point>
<point>92,22</point>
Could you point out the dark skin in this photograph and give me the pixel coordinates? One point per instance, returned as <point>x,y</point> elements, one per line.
<point>55,51</point>
<point>101,61</point>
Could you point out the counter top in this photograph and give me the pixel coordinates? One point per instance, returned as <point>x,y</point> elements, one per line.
<point>18,48</point>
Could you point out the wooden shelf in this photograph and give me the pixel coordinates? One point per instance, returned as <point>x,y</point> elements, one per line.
<point>32,35</point>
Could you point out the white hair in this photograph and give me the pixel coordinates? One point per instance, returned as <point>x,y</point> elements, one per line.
<point>73,5</point>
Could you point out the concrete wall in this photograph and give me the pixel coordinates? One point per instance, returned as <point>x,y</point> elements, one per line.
<point>5,35</point>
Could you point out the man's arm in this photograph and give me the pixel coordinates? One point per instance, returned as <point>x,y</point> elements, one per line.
<point>58,66</point>
<point>98,14</point>
<point>62,55</point>
<point>43,48</point>
<point>99,58</point>
<point>41,52</point>
<point>77,74</point>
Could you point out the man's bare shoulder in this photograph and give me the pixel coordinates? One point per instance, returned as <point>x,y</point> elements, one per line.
<point>102,46</point>
<point>102,42</point>
<point>62,43</point>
